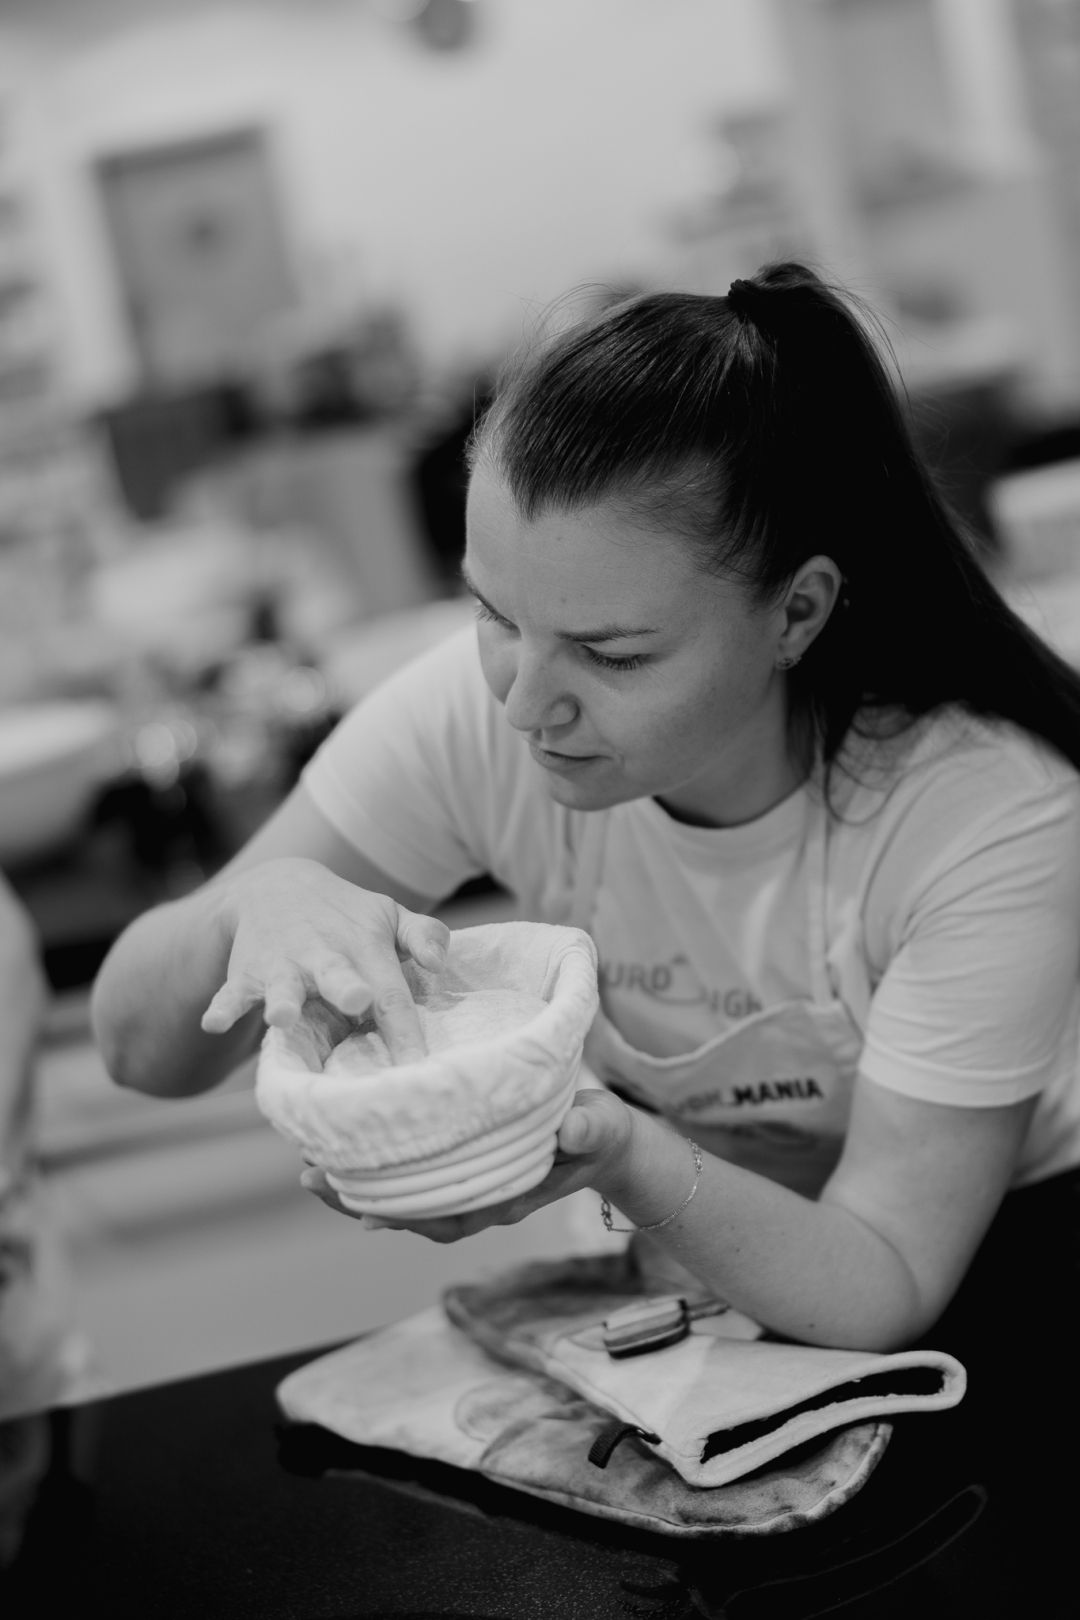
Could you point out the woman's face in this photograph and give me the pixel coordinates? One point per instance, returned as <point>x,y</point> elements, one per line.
<point>631,673</point>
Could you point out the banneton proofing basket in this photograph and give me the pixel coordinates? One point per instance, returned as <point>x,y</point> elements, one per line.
<point>471,1124</point>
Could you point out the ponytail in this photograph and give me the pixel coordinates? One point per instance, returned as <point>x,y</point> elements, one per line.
<point>764,428</point>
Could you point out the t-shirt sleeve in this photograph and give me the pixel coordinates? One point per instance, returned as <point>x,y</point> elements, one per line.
<point>977,1004</point>
<point>406,775</point>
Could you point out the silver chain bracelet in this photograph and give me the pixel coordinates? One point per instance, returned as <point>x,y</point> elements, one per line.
<point>654,1226</point>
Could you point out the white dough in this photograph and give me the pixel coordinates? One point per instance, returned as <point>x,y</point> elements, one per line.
<point>447,1019</point>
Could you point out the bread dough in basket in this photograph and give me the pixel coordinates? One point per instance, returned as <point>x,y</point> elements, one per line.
<point>505,1024</point>
<point>446,1019</point>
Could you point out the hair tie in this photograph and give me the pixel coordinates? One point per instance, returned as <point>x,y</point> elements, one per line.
<point>742,296</point>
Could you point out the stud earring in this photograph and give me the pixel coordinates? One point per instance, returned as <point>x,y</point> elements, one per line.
<point>787,663</point>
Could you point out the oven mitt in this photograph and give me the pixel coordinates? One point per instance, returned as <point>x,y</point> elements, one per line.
<point>423,1387</point>
<point>713,1401</point>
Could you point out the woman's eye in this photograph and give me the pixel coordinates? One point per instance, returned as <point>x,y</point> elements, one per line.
<point>605,661</point>
<point>485,613</point>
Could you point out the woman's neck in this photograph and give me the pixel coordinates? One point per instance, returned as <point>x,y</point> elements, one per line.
<point>748,793</point>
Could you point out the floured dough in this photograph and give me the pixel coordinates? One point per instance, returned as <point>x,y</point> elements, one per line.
<point>447,1019</point>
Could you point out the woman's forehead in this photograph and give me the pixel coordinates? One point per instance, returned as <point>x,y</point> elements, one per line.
<point>495,522</point>
<point>576,561</point>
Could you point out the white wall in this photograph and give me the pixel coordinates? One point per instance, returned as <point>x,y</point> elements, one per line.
<point>472,185</point>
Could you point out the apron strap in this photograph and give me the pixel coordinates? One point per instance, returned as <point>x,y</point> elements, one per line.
<point>817,854</point>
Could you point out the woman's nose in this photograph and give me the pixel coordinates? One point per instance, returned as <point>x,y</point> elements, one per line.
<point>535,700</point>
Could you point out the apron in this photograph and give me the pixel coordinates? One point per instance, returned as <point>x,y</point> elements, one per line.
<point>772,1093</point>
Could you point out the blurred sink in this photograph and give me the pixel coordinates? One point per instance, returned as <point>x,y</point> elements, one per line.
<point>54,758</point>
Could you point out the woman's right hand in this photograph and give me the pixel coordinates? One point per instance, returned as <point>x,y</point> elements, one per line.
<point>297,930</point>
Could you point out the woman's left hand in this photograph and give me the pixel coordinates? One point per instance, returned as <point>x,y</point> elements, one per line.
<point>592,1137</point>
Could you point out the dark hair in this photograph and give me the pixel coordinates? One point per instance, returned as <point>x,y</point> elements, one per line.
<point>765,428</point>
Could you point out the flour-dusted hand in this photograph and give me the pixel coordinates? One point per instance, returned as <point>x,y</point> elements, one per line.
<point>297,931</point>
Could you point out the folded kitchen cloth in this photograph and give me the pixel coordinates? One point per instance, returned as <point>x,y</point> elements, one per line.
<point>718,1403</point>
<point>728,1441</point>
<point>424,1388</point>
<point>473,1122</point>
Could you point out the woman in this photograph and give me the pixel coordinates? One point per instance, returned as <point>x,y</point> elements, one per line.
<point>745,706</point>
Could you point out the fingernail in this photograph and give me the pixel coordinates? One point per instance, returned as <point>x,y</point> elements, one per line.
<point>371,1223</point>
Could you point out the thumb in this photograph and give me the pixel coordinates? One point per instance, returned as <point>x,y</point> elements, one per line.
<point>594,1123</point>
<point>426,939</point>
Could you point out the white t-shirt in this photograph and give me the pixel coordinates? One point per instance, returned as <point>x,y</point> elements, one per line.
<point>953,888</point>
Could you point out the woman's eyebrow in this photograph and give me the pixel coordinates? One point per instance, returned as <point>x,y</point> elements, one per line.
<point>606,632</point>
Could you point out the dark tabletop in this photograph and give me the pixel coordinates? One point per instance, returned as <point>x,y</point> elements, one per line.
<point>194,1499</point>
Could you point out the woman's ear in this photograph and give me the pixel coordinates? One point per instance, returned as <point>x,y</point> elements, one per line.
<point>810,598</point>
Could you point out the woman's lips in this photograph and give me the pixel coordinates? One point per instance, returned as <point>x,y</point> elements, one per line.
<point>552,760</point>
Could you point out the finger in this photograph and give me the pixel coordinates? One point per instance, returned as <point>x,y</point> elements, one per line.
<point>346,989</point>
<point>314,1181</point>
<point>425,939</point>
<point>283,998</point>
<point>592,1125</point>
<point>230,1004</point>
<point>399,1022</point>
<point>444,1229</point>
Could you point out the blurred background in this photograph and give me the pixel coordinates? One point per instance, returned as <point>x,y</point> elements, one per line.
<point>258,262</point>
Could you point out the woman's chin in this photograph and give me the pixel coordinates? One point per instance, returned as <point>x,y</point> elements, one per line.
<point>588,791</point>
